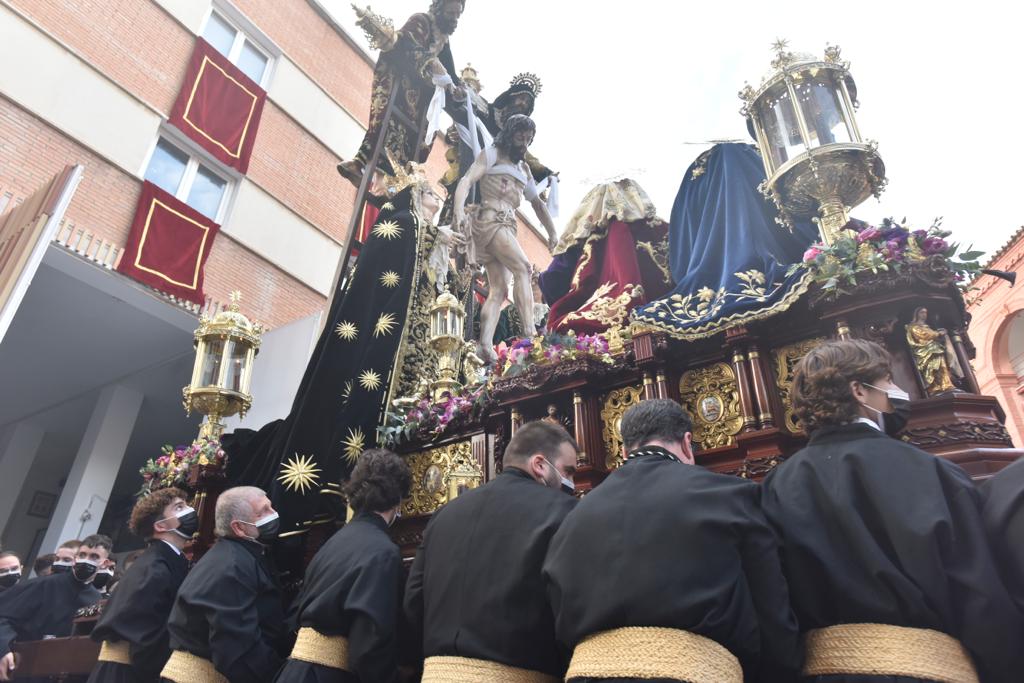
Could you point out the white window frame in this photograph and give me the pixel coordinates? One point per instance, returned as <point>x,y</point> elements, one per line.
<point>196,157</point>
<point>244,30</point>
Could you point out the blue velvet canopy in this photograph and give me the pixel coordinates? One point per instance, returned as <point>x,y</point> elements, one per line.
<point>727,254</point>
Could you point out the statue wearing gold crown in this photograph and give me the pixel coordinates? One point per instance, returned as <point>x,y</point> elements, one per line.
<point>373,348</point>
<point>418,59</point>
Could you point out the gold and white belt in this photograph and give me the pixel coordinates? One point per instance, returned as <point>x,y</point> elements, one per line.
<point>886,650</point>
<point>185,667</point>
<point>117,653</point>
<point>316,648</point>
<point>654,652</point>
<point>466,670</point>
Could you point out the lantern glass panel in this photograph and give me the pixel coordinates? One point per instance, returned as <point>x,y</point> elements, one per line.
<point>214,350</point>
<point>823,111</point>
<point>453,323</point>
<point>236,358</point>
<point>779,122</point>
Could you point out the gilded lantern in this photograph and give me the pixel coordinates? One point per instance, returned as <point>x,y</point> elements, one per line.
<point>447,321</point>
<point>816,162</point>
<point>225,348</point>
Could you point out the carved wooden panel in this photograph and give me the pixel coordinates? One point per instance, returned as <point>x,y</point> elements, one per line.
<point>711,397</point>
<point>613,406</point>
<point>439,475</point>
<point>786,358</point>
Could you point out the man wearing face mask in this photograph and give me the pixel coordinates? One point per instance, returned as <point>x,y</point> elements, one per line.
<point>689,586</point>
<point>349,609</point>
<point>10,570</point>
<point>65,556</point>
<point>884,541</point>
<point>227,622</point>
<point>133,628</point>
<point>46,606</point>
<point>475,594</point>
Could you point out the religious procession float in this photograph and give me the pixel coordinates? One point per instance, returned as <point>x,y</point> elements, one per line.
<point>422,353</point>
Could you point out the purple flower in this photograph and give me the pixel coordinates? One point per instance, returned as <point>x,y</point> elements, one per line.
<point>896,234</point>
<point>934,245</point>
<point>865,235</point>
<point>920,234</point>
<point>523,344</point>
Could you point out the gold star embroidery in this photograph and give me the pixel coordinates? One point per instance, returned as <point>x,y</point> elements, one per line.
<point>388,206</point>
<point>346,390</point>
<point>385,323</point>
<point>388,230</point>
<point>369,380</point>
<point>390,279</point>
<point>346,330</point>
<point>299,474</point>
<point>354,444</point>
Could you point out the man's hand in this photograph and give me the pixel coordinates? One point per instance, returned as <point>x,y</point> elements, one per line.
<point>7,667</point>
<point>450,237</point>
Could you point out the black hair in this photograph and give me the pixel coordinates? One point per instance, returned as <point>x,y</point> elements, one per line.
<point>653,420</point>
<point>537,437</point>
<point>98,541</point>
<point>379,482</point>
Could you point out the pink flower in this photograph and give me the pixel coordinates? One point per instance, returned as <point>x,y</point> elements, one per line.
<point>934,245</point>
<point>868,234</point>
<point>812,253</point>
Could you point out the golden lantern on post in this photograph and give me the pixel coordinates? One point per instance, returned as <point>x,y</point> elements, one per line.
<point>221,377</point>
<point>447,321</point>
<point>817,164</point>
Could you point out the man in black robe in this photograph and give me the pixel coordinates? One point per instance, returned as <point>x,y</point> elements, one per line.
<point>350,605</point>
<point>669,571</point>
<point>46,606</point>
<point>883,542</point>
<point>228,619</point>
<point>10,570</point>
<point>133,628</point>
<point>1003,514</point>
<point>475,592</point>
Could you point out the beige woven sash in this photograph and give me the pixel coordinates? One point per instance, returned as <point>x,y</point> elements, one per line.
<point>652,652</point>
<point>185,667</point>
<point>884,650</point>
<point>465,670</point>
<point>313,646</point>
<point>115,652</point>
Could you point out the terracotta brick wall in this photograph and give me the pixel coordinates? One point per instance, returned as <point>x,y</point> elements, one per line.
<point>31,152</point>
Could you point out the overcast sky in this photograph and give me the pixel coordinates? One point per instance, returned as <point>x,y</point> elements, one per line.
<point>636,88</point>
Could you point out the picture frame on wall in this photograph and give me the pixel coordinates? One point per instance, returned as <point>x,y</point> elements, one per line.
<point>42,504</point>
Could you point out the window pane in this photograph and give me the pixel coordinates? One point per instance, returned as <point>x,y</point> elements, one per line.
<point>220,34</point>
<point>167,166</point>
<point>206,193</point>
<point>252,62</point>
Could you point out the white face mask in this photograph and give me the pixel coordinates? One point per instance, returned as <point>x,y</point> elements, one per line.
<point>566,484</point>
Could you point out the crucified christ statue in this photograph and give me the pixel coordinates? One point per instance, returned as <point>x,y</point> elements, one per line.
<point>489,227</point>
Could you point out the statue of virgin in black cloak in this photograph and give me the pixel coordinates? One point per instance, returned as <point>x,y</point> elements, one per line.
<point>372,349</point>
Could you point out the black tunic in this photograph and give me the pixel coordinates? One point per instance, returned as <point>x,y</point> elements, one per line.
<point>664,544</point>
<point>44,606</point>
<point>353,588</point>
<point>137,614</point>
<point>1003,514</point>
<point>875,530</point>
<point>475,589</point>
<point>229,611</point>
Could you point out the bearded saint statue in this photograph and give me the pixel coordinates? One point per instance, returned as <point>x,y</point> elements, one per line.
<point>489,226</point>
<point>419,60</point>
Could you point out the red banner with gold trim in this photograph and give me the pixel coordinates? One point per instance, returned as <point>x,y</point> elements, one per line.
<point>219,107</point>
<point>168,245</point>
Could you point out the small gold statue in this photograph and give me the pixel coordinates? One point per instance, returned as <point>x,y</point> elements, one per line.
<point>933,354</point>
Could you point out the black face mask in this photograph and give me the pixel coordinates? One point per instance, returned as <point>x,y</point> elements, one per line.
<point>84,570</point>
<point>895,421</point>
<point>188,523</point>
<point>266,528</point>
<point>101,580</point>
<point>9,580</point>
<point>57,568</point>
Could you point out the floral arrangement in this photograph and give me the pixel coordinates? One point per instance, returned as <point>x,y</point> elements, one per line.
<point>551,348</point>
<point>171,468</point>
<point>426,420</point>
<point>863,250</point>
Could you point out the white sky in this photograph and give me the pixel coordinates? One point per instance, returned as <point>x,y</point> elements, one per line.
<point>629,85</point>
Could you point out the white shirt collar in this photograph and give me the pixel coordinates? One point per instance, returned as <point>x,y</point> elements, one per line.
<point>866,421</point>
<point>174,547</point>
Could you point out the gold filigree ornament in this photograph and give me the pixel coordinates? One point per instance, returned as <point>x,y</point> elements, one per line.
<point>439,475</point>
<point>369,380</point>
<point>786,358</point>
<point>346,331</point>
<point>385,325</point>
<point>388,230</point>
<point>613,407</point>
<point>711,397</point>
<point>610,311</point>
<point>390,279</point>
<point>354,444</point>
<point>300,474</point>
